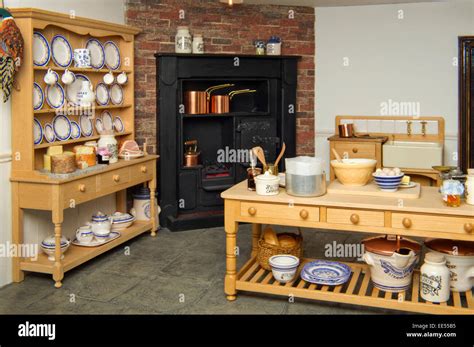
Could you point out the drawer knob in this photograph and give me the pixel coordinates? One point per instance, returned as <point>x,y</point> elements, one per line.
<point>82,188</point>
<point>407,223</point>
<point>355,150</point>
<point>252,211</point>
<point>304,214</point>
<point>468,227</point>
<point>355,218</point>
<point>116,178</point>
<point>143,169</point>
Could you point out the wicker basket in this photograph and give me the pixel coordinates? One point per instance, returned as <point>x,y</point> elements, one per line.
<point>266,250</point>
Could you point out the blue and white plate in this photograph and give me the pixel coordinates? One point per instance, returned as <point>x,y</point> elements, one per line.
<point>112,55</point>
<point>73,88</point>
<point>61,51</point>
<point>85,122</point>
<point>102,95</point>
<point>62,127</point>
<point>118,125</point>
<point>99,125</point>
<point>76,130</point>
<point>326,272</point>
<point>55,95</point>
<point>38,96</point>
<point>97,53</point>
<point>49,133</point>
<point>107,121</point>
<point>37,131</point>
<point>41,50</point>
<point>116,94</point>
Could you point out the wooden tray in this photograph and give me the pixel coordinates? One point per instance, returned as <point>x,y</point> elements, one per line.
<point>372,189</point>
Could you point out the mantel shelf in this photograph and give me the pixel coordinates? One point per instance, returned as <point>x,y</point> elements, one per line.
<point>74,110</point>
<point>81,139</point>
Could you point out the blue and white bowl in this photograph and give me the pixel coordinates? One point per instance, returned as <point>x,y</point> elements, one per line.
<point>121,221</point>
<point>388,183</point>
<point>48,246</point>
<point>284,267</point>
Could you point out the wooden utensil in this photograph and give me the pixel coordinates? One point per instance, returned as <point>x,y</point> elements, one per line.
<point>283,148</point>
<point>260,154</point>
<point>338,158</point>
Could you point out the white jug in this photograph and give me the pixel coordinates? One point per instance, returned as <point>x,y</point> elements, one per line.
<point>85,96</point>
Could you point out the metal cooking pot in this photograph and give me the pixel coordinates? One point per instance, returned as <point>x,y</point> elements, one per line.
<point>197,102</point>
<point>221,103</point>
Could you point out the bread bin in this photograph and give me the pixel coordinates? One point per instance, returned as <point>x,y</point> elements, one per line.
<point>305,176</point>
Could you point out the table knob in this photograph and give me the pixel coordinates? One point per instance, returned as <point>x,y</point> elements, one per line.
<point>116,178</point>
<point>468,227</point>
<point>355,150</point>
<point>407,222</point>
<point>252,211</point>
<point>304,214</point>
<point>143,169</point>
<point>354,218</point>
<point>82,188</point>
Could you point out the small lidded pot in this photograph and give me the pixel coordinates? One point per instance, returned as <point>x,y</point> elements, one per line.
<point>274,46</point>
<point>434,278</point>
<point>101,226</point>
<point>267,184</point>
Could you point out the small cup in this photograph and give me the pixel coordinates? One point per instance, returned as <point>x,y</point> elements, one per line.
<point>109,78</point>
<point>68,77</point>
<point>84,234</point>
<point>82,58</point>
<point>51,77</point>
<point>122,78</point>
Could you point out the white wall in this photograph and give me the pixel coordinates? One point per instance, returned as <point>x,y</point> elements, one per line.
<point>409,59</point>
<point>38,224</point>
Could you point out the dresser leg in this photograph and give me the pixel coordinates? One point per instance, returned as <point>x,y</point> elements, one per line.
<point>152,187</point>
<point>256,233</point>
<point>17,232</point>
<point>231,228</point>
<point>58,272</point>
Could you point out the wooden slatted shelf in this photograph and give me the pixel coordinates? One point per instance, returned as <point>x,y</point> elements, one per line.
<point>358,291</point>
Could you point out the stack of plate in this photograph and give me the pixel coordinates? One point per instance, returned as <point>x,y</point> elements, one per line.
<point>326,272</point>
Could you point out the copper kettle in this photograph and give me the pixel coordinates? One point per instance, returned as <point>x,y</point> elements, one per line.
<point>191,154</point>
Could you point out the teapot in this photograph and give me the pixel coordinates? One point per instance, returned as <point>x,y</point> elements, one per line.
<point>85,96</point>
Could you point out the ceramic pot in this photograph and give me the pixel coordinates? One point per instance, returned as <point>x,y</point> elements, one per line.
<point>141,206</point>
<point>183,40</point>
<point>101,225</point>
<point>391,263</point>
<point>267,184</point>
<point>434,278</point>
<point>198,44</point>
<point>459,260</point>
<point>107,143</point>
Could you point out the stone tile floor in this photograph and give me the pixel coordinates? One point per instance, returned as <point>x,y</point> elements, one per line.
<point>174,273</point>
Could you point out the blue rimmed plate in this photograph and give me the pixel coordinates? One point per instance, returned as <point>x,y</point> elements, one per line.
<point>116,94</point>
<point>326,272</point>
<point>55,95</point>
<point>73,88</point>
<point>38,96</point>
<point>61,51</point>
<point>49,133</point>
<point>99,125</point>
<point>118,124</point>
<point>112,55</point>
<point>102,95</point>
<point>41,50</point>
<point>37,131</point>
<point>85,122</point>
<point>62,127</point>
<point>75,130</point>
<point>97,53</point>
<point>107,120</point>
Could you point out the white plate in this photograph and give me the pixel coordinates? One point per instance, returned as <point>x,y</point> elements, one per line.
<point>74,87</point>
<point>85,123</point>
<point>116,94</point>
<point>97,53</point>
<point>37,132</point>
<point>55,95</point>
<point>112,55</point>
<point>102,94</point>
<point>94,243</point>
<point>409,185</point>
<point>99,126</point>
<point>76,130</point>
<point>61,51</point>
<point>41,50</point>
<point>132,156</point>
<point>49,133</point>
<point>118,125</point>
<point>107,121</point>
<point>62,127</point>
<point>38,96</point>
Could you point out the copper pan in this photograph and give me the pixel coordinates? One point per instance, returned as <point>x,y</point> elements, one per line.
<point>197,102</point>
<point>221,103</point>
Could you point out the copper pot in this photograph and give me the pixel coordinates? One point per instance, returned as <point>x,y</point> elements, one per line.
<point>221,103</point>
<point>346,130</point>
<point>197,102</point>
<point>191,155</point>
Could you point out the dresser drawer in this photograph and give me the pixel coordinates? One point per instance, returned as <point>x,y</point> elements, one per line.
<point>356,150</point>
<point>79,191</point>
<point>114,178</point>
<point>355,217</point>
<point>457,225</point>
<point>277,212</point>
<point>142,170</point>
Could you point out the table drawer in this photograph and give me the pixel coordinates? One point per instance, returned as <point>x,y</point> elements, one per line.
<point>114,178</point>
<point>459,225</point>
<point>356,150</point>
<point>79,191</point>
<point>279,211</point>
<point>355,217</point>
<point>142,170</point>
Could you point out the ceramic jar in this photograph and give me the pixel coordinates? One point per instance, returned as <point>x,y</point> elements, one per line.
<point>469,192</point>
<point>101,226</point>
<point>267,184</point>
<point>141,205</point>
<point>108,143</point>
<point>434,278</point>
<point>391,261</point>
<point>183,41</point>
<point>459,260</point>
<point>274,46</point>
<point>198,44</point>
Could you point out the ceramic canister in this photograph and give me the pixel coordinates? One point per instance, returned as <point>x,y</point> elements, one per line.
<point>109,143</point>
<point>391,261</point>
<point>459,260</point>
<point>434,278</point>
<point>469,192</point>
<point>267,184</point>
<point>141,205</point>
<point>183,41</point>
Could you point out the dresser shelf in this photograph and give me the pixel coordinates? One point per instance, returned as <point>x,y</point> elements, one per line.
<point>79,140</point>
<point>80,110</point>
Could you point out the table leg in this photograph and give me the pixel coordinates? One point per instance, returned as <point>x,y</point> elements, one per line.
<point>17,232</point>
<point>57,218</point>
<point>231,228</point>
<point>121,200</point>
<point>152,187</point>
<point>256,233</point>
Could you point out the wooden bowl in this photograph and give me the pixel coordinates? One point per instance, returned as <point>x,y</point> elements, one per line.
<point>354,172</point>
